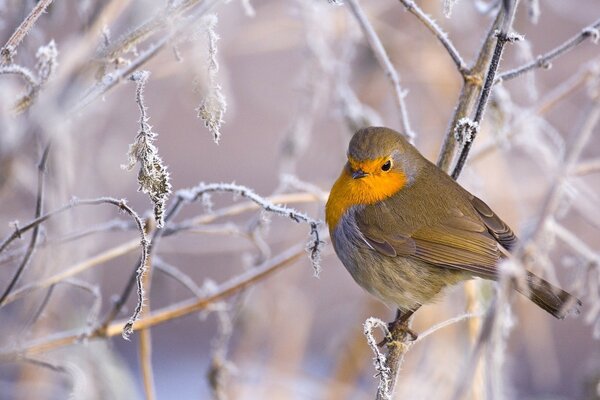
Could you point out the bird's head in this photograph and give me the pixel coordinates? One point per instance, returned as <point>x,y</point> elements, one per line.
<point>380,164</point>
<point>382,155</point>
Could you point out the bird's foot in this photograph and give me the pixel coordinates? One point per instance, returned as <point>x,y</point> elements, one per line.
<point>399,331</point>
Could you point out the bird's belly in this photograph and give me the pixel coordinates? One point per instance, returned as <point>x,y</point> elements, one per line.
<point>401,282</point>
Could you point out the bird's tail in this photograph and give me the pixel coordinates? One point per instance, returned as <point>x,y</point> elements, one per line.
<point>549,297</point>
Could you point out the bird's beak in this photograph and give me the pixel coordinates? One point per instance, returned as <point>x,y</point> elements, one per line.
<point>359,173</point>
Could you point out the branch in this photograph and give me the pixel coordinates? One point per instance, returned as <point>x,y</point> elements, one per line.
<point>9,50</point>
<point>434,28</point>
<point>36,230</point>
<point>385,63</point>
<point>165,314</point>
<point>543,60</point>
<point>111,79</point>
<point>502,37</point>
<point>121,204</point>
<point>313,247</point>
<point>469,92</point>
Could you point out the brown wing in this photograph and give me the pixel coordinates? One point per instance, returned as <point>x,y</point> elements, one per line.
<point>495,226</point>
<point>457,242</point>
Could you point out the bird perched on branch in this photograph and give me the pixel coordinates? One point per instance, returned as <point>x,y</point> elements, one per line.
<point>405,230</point>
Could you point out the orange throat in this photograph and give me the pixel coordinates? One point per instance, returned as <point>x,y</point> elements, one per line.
<point>348,192</point>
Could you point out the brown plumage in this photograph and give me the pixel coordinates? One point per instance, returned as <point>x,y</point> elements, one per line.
<point>405,230</point>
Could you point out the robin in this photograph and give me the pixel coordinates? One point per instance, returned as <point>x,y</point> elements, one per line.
<point>405,230</point>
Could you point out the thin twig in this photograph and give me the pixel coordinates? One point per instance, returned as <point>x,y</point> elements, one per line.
<point>121,204</point>
<point>128,247</point>
<point>313,247</point>
<point>385,63</point>
<point>9,50</point>
<point>145,341</point>
<point>445,324</point>
<point>434,28</point>
<point>111,79</point>
<point>587,167</point>
<point>543,60</point>
<point>165,314</point>
<point>34,235</point>
<point>75,269</point>
<point>178,275</point>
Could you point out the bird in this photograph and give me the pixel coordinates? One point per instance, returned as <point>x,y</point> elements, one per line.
<point>405,230</point>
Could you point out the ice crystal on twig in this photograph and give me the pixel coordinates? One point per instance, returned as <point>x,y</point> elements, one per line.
<point>153,176</point>
<point>379,361</point>
<point>213,105</point>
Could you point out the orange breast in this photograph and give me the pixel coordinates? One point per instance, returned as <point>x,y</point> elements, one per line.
<point>348,192</point>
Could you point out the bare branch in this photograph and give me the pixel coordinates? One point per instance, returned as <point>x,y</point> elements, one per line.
<point>543,60</point>
<point>434,28</point>
<point>385,63</point>
<point>109,80</point>
<point>469,92</point>
<point>502,37</point>
<point>165,314</point>
<point>9,50</point>
<point>313,247</point>
<point>34,235</point>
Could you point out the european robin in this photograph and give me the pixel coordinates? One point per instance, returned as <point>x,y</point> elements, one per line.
<point>405,230</point>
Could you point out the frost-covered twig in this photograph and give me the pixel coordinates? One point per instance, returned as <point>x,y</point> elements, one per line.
<point>121,204</point>
<point>213,106</point>
<point>385,63</point>
<point>168,313</point>
<point>314,246</point>
<point>34,235</point>
<point>109,80</point>
<point>153,176</point>
<point>384,390</point>
<point>9,50</point>
<point>434,28</point>
<point>46,64</point>
<point>445,324</point>
<point>543,61</point>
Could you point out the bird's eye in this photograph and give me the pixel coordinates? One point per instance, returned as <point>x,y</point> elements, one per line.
<point>386,167</point>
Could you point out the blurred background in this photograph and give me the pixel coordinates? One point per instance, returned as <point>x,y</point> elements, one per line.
<point>298,78</point>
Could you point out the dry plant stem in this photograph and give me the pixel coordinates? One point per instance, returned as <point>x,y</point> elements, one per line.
<point>579,141</point>
<point>314,247</point>
<point>165,314</point>
<point>474,327</point>
<point>551,100</point>
<point>587,167</point>
<point>385,63</point>
<point>121,204</point>
<point>34,235</point>
<point>466,374</point>
<point>550,205</point>
<point>543,61</point>
<point>111,79</point>
<point>135,280</point>
<point>434,28</point>
<point>469,92</point>
<point>145,343</point>
<point>9,50</point>
<point>74,270</point>
<point>171,230</point>
<point>162,20</point>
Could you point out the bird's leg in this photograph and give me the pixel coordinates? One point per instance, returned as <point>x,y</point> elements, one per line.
<point>399,327</point>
